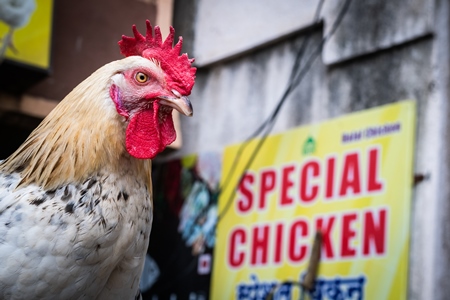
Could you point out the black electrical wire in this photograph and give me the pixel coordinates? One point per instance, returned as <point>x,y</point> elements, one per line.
<point>295,79</point>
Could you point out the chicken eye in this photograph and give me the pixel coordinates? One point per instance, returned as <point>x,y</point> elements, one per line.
<point>141,77</point>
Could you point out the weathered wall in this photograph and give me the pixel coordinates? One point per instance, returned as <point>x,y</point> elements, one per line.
<point>235,19</point>
<point>232,99</point>
<point>385,51</point>
<point>372,25</point>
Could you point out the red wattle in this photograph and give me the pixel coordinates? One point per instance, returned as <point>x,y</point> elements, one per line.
<point>149,132</point>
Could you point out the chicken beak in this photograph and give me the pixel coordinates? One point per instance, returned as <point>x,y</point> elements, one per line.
<point>182,104</point>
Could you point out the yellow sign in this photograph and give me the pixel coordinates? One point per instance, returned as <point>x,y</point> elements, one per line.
<point>351,179</point>
<point>25,32</point>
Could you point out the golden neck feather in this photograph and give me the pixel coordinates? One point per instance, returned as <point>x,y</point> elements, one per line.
<point>81,136</point>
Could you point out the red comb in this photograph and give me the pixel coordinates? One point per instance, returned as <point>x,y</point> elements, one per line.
<point>180,74</point>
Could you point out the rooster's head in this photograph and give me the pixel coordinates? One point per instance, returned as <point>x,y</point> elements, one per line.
<point>149,88</point>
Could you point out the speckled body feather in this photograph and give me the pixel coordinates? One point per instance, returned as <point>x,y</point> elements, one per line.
<point>79,241</point>
<point>75,207</point>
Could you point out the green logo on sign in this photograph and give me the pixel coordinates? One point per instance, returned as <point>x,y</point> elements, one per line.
<point>309,146</point>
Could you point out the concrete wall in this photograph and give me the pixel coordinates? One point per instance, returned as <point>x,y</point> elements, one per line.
<point>241,25</point>
<point>384,51</point>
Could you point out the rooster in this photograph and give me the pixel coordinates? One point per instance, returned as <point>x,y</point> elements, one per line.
<point>76,197</point>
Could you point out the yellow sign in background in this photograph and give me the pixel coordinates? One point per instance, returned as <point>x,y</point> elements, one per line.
<point>349,178</point>
<point>32,41</point>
